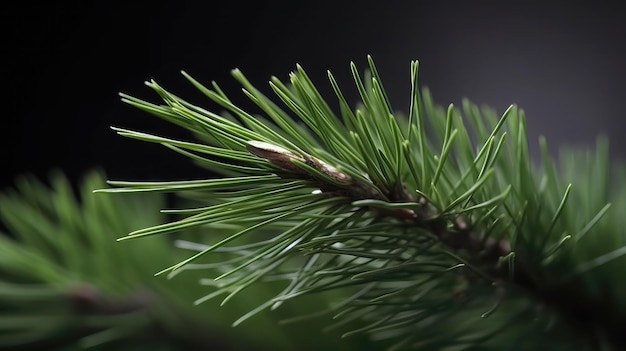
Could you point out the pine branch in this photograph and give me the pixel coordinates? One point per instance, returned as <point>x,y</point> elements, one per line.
<point>65,284</point>
<point>419,222</point>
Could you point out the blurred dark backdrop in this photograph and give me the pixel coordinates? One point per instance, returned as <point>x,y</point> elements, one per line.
<point>64,63</point>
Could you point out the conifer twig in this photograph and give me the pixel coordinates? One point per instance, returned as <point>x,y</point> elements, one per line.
<point>414,219</point>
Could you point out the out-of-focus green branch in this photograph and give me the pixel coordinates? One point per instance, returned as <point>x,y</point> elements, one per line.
<point>66,284</point>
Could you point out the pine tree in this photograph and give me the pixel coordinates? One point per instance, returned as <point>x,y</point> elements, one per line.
<point>432,230</point>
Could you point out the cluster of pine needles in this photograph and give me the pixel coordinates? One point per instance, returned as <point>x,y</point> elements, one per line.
<point>431,230</point>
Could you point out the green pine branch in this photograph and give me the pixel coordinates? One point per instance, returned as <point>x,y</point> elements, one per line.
<point>433,230</point>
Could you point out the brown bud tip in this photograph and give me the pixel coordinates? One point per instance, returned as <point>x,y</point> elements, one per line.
<point>274,154</point>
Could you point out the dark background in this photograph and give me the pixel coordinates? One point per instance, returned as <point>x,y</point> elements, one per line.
<point>563,62</point>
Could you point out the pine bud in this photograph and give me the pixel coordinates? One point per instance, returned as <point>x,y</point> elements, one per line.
<point>282,158</point>
<point>275,154</point>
